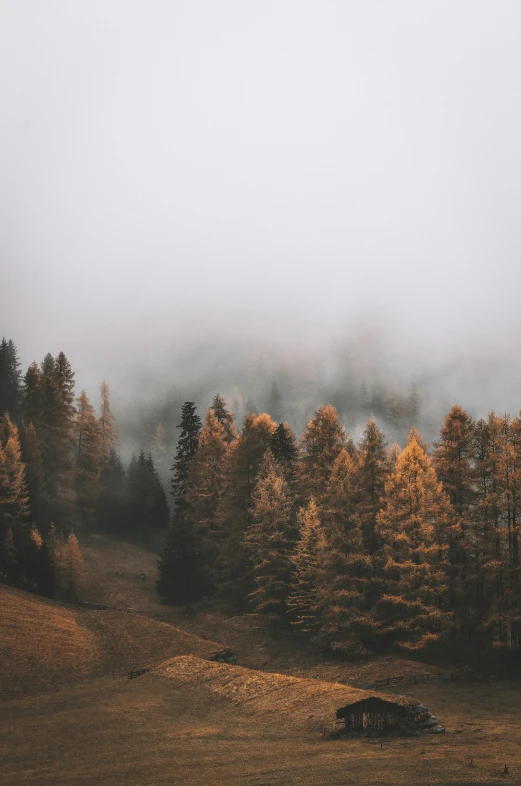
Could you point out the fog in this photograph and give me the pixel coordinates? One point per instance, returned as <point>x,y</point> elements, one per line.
<point>215,195</point>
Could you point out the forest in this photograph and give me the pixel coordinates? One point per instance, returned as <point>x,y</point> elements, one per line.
<point>355,547</point>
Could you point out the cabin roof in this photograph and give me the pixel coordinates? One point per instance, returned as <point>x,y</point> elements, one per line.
<point>376,704</point>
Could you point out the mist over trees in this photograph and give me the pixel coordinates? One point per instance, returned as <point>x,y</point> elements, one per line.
<point>356,545</point>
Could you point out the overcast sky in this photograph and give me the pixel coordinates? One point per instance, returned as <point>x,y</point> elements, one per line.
<point>166,165</point>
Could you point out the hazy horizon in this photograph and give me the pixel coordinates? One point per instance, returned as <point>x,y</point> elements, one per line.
<point>186,185</point>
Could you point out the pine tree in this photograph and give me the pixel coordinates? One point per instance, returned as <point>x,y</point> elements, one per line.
<point>302,602</point>
<point>34,474</point>
<point>453,463</point>
<point>70,568</point>
<point>89,458</point>
<point>270,540</point>
<point>283,445</point>
<point>14,497</point>
<point>234,509</point>
<point>224,417</point>
<point>373,470</point>
<point>205,488</point>
<point>113,510</point>
<point>10,379</point>
<point>48,404</point>
<point>413,609</point>
<point>178,576</point>
<point>345,570</point>
<point>107,426</point>
<point>186,449</point>
<point>321,443</point>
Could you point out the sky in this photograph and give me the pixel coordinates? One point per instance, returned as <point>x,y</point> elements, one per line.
<point>174,171</point>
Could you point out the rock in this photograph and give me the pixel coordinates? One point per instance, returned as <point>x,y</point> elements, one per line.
<point>224,656</point>
<point>438,729</point>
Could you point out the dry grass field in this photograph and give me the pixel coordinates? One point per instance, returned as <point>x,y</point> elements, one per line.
<point>70,717</point>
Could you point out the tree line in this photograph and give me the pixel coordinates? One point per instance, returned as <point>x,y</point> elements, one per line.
<point>358,547</point>
<point>59,470</point>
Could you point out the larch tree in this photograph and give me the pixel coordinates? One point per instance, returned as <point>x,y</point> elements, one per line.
<point>302,602</point>
<point>34,474</point>
<point>90,458</point>
<point>270,540</point>
<point>70,568</point>
<point>234,512</point>
<point>14,497</point>
<point>206,480</point>
<point>413,608</point>
<point>321,443</point>
<point>345,569</point>
<point>453,462</point>
<point>373,469</point>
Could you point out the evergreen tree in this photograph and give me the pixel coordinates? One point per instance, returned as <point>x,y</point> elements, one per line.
<point>205,488</point>
<point>234,509</point>
<point>158,450</point>
<point>107,425</point>
<point>270,540</point>
<point>14,497</point>
<point>10,379</point>
<point>113,511</point>
<point>186,448</point>
<point>345,570</point>
<point>373,470</point>
<point>34,474</point>
<point>9,567</point>
<point>303,598</point>
<point>224,417</point>
<point>89,458</point>
<point>283,445</point>
<point>70,568</point>
<point>413,609</point>
<point>453,463</point>
<point>321,443</point>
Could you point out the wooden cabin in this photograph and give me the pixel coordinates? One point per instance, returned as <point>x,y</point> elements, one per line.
<point>372,713</point>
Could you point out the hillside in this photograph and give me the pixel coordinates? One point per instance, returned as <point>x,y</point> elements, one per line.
<point>45,644</point>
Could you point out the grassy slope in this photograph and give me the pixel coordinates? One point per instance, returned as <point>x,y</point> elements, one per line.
<point>190,721</point>
<point>163,730</point>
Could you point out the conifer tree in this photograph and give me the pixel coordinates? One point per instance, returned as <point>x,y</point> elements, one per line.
<point>178,577</point>
<point>113,512</point>
<point>345,570</point>
<point>302,602</point>
<point>34,474</point>
<point>14,497</point>
<point>373,470</point>
<point>283,445</point>
<point>224,417</point>
<point>234,510</point>
<point>413,609</point>
<point>186,448</point>
<point>322,441</point>
<point>89,458</point>
<point>205,488</point>
<point>70,568</point>
<point>107,427</point>
<point>453,463</point>
<point>10,379</point>
<point>270,540</point>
